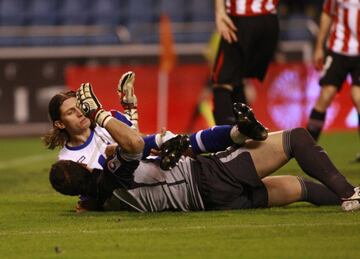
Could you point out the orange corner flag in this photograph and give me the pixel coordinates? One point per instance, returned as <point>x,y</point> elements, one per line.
<point>168,56</point>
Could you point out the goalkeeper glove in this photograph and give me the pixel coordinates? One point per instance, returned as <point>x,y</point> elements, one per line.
<point>126,90</point>
<point>90,105</point>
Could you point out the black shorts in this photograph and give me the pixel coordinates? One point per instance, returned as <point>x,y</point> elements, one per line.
<point>228,180</point>
<point>251,55</point>
<point>337,67</point>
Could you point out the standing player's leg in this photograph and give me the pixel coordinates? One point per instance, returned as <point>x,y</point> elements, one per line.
<point>333,75</point>
<point>227,79</point>
<point>355,95</point>
<point>355,91</point>
<point>222,100</point>
<point>263,46</point>
<point>318,113</point>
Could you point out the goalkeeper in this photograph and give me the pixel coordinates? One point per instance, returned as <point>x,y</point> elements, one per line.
<point>233,179</point>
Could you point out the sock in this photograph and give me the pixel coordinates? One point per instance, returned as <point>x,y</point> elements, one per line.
<point>236,136</point>
<point>223,113</point>
<point>314,161</point>
<point>211,140</point>
<point>316,123</point>
<point>317,193</point>
<point>238,94</point>
<point>150,143</point>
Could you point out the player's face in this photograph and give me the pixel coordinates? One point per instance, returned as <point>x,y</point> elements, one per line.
<point>72,118</point>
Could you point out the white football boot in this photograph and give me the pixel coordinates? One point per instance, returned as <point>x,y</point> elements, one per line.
<point>352,203</point>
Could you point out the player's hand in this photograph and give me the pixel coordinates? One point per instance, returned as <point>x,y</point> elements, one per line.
<point>86,205</point>
<point>110,150</point>
<point>318,58</point>
<point>126,90</point>
<point>226,27</point>
<point>90,105</point>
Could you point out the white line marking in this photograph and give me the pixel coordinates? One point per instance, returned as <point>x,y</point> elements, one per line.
<point>167,229</point>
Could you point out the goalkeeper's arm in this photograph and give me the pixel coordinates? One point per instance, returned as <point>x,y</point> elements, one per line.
<point>128,139</point>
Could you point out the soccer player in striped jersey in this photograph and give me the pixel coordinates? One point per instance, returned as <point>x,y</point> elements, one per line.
<point>249,34</point>
<point>237,178</point>
<point>340,26</point>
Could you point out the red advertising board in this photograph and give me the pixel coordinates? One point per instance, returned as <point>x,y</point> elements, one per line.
<point>185,86</point>
<point>288,94</point>
<point>283,101</point>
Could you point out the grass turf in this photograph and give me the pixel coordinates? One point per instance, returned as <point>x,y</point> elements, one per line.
<point>36,222</point>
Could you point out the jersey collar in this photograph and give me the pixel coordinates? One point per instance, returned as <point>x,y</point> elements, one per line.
<point>87,142</point>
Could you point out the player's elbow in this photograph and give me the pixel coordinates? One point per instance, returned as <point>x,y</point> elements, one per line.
<point>136,145</point>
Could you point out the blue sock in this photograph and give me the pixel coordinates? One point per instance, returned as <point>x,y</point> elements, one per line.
<point>150,143</point>
<point>211,140</point>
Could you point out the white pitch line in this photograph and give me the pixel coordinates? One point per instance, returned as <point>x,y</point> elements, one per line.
<point>24,160</point>
<point>167,229</point>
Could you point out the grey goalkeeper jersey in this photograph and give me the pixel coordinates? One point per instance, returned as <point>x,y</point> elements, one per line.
<point>153,189</point>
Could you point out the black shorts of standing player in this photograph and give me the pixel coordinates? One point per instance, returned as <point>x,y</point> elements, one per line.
<point>337,67</point>
<point>228,180</point>
<point>249,57</point>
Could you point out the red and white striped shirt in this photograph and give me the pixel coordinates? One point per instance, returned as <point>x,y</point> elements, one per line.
<point>251,7</point>
<point>344,37</point>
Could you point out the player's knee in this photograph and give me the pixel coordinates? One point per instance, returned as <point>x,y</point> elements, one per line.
<point>326,96</point>
<point>355,96</point>
<point>282,190</point>
<point>299,139</point>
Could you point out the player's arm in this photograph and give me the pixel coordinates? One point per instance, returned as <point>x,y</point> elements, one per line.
<point>129,140</point>
<point>224,24</point>
<point>128,120</point>
<point>325,24</point>
<point>130,143</point>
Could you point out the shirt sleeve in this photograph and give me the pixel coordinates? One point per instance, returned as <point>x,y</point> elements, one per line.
<point>123,166</point>
<point>121,117</point>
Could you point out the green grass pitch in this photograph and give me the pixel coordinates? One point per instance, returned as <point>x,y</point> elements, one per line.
<point>36,222</point>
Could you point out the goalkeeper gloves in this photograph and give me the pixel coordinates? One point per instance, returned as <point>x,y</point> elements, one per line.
<point>127,97</point>
<point>126,90</point>
<point>90,105</point>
